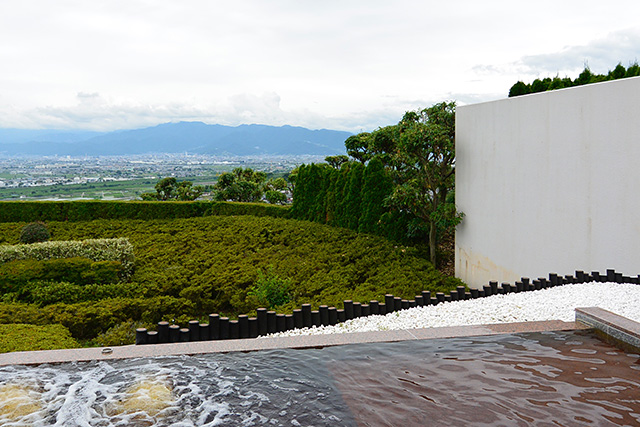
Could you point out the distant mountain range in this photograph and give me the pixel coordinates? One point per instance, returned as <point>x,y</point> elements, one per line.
<point>192,137</point>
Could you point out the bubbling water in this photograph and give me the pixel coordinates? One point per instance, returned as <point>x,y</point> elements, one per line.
<point>19,401</point>
<point>230,390</point>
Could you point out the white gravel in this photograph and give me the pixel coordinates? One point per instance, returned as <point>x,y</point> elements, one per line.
<point>556,303</point>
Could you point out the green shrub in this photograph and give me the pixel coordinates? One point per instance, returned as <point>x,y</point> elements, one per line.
<point>16,312</point>
<point>94,249</point>
<point>270,290</point>
<point>122,334</point>
<point>88,210</point>
<point>190,267</point>
<point>34,232</point>
<point>46,293</point>
<point>21,337</point>
<point>88,319</point>
<point>15,275</point>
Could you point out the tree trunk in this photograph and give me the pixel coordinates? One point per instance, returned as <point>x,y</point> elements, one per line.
<point>432,243</point>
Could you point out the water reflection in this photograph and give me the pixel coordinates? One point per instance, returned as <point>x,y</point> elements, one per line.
<point>558,378</point>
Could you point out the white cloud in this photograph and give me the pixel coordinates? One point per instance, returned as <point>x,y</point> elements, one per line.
<point>601,55</point>
<point>350,65</point>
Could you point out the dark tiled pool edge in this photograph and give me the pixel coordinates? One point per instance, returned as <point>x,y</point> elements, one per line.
<point>610,326</point>
<point>296,342</point>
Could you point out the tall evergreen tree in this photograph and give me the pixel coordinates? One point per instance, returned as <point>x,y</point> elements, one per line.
<point>332,197</point>
<point>300,206</point>
<point>320,176</point>
<point>377,185</point>
<point>353,196</point>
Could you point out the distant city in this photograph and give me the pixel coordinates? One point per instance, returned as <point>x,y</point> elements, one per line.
<point>70,165</point>
<point>122,177</point>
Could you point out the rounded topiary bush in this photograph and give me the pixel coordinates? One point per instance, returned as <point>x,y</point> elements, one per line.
<point>35,232</point>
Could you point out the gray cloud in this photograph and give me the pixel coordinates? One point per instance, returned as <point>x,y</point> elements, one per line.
<point>334,64</point>
<point>600,55</point>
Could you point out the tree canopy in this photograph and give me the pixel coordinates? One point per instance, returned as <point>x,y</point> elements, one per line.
<point>171,189</point>
<point>585,77</point>
<point>423,164</point>
<point>400,180</point>
<point>247,185</point>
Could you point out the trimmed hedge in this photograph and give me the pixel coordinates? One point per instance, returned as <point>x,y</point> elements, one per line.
<point>86,320</point>
<point>20,337</point>
<point>17,274</point>
<point>96,209</point>
<point>94,249</point>
<point>46,293</point>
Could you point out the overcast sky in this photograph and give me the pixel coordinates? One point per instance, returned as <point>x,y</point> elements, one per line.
<point>336,64</point>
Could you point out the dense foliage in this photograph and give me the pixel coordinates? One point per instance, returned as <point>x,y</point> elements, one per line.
<point>351,197</point>
<point>117,249</point>
<point>17,212</point>
<point>170,189</point>
<point>404,192</point>
<point>17,275</point>
<point>247,185</point>
<point>188,268</point>
<point>34,232</point>
<point>22,337</point>
<point>585,77</point>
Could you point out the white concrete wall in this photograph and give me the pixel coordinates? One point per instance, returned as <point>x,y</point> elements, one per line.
<point>549,182</point>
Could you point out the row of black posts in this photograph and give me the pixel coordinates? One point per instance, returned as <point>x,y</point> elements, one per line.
<point>267,322</point>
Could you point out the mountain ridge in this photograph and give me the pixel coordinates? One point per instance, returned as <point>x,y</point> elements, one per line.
<point>179,137</point>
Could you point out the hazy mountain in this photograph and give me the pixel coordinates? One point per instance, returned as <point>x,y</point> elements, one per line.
<point>193,137</point>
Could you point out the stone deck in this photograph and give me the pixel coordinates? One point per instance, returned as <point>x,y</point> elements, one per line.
<point>256,344</point>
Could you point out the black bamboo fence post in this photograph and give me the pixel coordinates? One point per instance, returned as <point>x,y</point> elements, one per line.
<point>214,326</point>
<point>348,309</point>
<point>357,310</point>
<point>272,325</point>
<point>289,322</point>
<point>253,327</point>
<point>204,332</point>
<point>261,314</point>
<point>426,296</point>
<point>194,330</point>
<point>281,323</point>
<point>333,316</point>
<point>174,333</point>
<point>306,315</point>
<point>141,336</point>
<point>224,328</point>
<point>315,318</point>
<point>163,332</point>
<point>374,307</point>
<point>234,330</point>
<point>324,315</point>
<point>243,326</point>
<point>389,303</point>
<point>297,318</point>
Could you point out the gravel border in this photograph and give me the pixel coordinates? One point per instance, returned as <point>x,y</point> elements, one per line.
<point>557,303</point>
